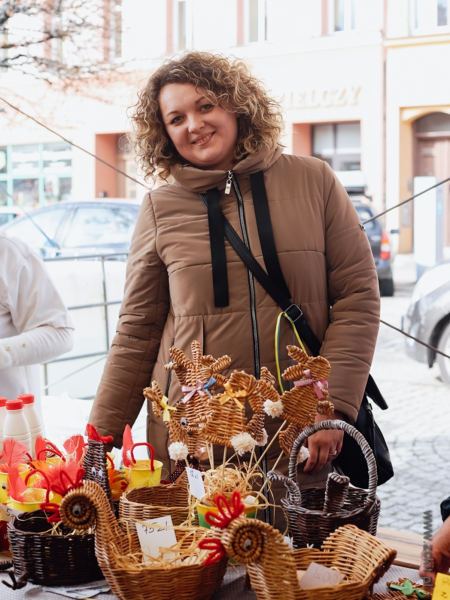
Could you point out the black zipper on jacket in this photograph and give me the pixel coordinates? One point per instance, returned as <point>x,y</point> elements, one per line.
<point>251,281</point>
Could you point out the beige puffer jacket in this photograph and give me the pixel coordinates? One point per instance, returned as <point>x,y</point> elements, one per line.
<point>325,258</point>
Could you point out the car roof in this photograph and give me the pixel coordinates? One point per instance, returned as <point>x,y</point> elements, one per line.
<point>134,202</point>
<point>367,207</point>
<point>11,210</point>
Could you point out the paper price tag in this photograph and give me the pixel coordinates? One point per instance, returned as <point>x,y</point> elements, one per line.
<point>319,576</point>
<point>7,513</point>
<point>196,485</point>
<point>442,587</point>
<point>152,537</point>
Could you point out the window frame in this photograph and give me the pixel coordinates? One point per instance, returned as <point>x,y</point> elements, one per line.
<point>429,26</point>
<point>262,22</point>
<point>349,17</point>
<point>189,8</point>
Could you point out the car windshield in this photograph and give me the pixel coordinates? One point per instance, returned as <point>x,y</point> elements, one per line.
<point>25,228</point>
<point>365,213</point>
<point>101,225</point>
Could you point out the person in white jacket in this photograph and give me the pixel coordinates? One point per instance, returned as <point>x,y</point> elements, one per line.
<point>35,326</point>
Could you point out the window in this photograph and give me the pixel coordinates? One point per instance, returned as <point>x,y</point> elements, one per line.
<point>442,13</point>
<point>100,225</point>
<point>116,29</point>
<point>339,144</point>
<point>3,194</point>
<point>182,24</point>
<point>342,15</point>
<point>430,14</point>
<point>3,160</point>
<point>36,174</point>
<point>256,21</point>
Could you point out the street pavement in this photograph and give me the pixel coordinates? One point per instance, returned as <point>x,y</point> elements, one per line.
<point>416,425</point>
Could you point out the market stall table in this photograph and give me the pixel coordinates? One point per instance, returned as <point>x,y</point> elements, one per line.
<point>232,588</point>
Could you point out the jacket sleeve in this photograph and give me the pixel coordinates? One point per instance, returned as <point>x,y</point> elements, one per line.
<point>354,298</point>
<point>136,344</point>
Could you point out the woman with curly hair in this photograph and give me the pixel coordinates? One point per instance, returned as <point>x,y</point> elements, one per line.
<point>207,126</point>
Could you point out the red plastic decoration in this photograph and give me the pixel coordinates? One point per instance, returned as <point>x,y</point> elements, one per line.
<point>227,513</point>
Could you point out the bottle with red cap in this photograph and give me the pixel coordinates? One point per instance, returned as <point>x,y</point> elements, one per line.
<point>2,420</point>
<point>32,416</point>
<point>16,424</point>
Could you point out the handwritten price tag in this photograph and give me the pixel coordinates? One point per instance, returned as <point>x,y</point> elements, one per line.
<point>7,513</point>
<point>319,576</point>
<point>153,536</point>
<point>196,485</point>
<point>442,587</point>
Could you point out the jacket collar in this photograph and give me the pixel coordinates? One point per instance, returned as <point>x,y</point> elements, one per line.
<point>200,181</point>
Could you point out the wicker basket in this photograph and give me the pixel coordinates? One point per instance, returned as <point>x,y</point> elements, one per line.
<point>308,522</point>
<point>47,559</point>
<point>121,559</point>
<point>272,566</point>
<point>156,501</point>
<point>95,464</point>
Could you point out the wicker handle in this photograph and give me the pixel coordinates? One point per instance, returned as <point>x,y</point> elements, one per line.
<point>355,434</point>
<point>152,453</point>
<point>293,491</point>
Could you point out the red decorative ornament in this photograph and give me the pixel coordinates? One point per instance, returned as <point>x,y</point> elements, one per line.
<point>227,513</point>
<point>217,550</point>
<point>94,435</point>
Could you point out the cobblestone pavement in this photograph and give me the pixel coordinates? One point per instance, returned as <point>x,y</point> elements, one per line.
<point>416,426</point>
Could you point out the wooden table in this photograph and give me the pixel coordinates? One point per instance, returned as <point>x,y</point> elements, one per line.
<point>408,546</point>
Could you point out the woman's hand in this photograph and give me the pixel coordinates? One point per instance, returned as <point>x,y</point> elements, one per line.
<point>436,554</point>
<point>324,445</point>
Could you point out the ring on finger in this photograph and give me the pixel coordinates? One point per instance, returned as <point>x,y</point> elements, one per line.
<point>332,453</point>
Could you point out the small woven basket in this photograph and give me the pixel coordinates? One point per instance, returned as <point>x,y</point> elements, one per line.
<point>123,563</point>
<point>95,465</point>
<point>47,559</point>
<point>140,504</point>
<point>308,522</point>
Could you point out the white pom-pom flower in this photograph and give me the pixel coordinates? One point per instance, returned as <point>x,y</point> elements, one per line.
<point>178,451</point>
<point>242,443</point>
<point>265,438</point>
<point>303,455</point>
<point>273,409</point>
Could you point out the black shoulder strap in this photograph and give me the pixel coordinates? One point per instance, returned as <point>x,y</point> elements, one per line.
<point>265,232</point>
<point>217,244</point>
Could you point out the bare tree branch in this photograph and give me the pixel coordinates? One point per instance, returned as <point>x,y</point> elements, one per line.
<point>59,40</point>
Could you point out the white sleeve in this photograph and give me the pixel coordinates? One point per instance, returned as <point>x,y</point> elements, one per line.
<point>34,347</point>
<point>39,316</point>
<point>33,300</point>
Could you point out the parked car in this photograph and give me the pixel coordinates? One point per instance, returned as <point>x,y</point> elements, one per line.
<point>78,228</point>
<point>428,318</point>
<point>355,185</point>
<point>9,213</point>
<point>379,244</point>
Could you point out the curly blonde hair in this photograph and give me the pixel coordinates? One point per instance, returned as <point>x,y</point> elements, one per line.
<point>229,83</point>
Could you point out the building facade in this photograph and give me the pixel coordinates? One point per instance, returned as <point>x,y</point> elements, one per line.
<point>362,84</point>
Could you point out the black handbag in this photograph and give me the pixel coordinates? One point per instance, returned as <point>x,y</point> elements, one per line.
<point>350,460</point>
